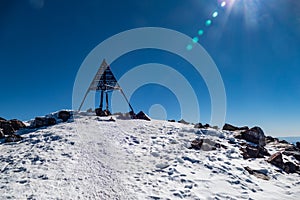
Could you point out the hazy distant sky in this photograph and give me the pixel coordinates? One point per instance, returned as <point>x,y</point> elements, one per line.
<point>254,43</point>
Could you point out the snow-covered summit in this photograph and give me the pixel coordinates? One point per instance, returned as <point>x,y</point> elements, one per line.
<point>94,157</point>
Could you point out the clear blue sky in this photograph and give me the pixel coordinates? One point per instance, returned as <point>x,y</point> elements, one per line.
<point>254,43</point>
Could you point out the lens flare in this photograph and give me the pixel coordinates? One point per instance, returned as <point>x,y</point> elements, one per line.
<point>215,14</point>
<point>208,22</point>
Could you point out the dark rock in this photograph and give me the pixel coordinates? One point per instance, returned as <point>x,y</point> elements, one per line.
<point>7,128</point>
<point>1,133</point>
<point>290,167</point>
<point>276,159</point>
<point>255,135</point>
<point>254,152</point>
<point>17,124</point>
<point>257,173</point>
<point>198,125</point>
<point>206,126</point>
<point>283,142</point>
<point>182,121</point>
<point>101,113</point>
<point>229,127</point>
<point>296,154</point>
<point>13,138</point>
<point>43,121</point>
<point>270,139</point>
<point>298,145</point>
<point>171,120</point>
<point>2,119</point>
<point>142,115</point>
<point>197,144</point>
<point>64,115</point>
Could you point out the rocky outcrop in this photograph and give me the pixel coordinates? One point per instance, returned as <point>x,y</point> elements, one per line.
<point>142,115</point>
<point>182,121</point>
<point>254,152</point>
<point>198,125</point>
<point>43,121</point>
<point>262,174</point>
<point>102,113</point>
<point>277,160</point>
<point>13,138</point>
<point>6,127</point>
<point>64,115</point>
<point>17,124</point>
<point>254,135</point>
<point>229,127</point>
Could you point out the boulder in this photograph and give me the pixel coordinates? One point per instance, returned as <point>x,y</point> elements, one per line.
<point>182,121</point>
<point>197,144</point>
<point>255,135</point>
<point>290,167</point>
<point>17,124</point>
<point>206,126</point>
<point>64,115</point>
<point>7,128</point>
<point>13,138</point>
<point>101,113</point>
<point>254,152</point>
<point>43,121</point>
<point>171,120</point>
<point>262,174</point>
<point>298,145</point>
<point>142,115</point>
<point>276,159</point>
<point>198,125</point>
<point>229,127</point>
<point>270,139</point>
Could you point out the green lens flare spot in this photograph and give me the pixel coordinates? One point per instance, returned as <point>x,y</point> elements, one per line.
<point>189,47</point>
<point>208,22</point>
<point>195,39</point>
<point>215,14</point>
<point>200,32</point>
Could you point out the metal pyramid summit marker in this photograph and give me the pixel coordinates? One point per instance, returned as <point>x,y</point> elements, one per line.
<point>105,82</point>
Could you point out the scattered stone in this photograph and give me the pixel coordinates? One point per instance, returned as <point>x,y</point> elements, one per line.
<point>276,159</point>
<point>270,139</point>
<point>64,115</point>
<point>198,125</point>
<point>7,127</point>
<point>197,144</point>
<point>13,138</point>
<point>102,113</point>
<point>254,152</point>
<point>17,124</point>
<point>229,127</point>
<point>298,145</point>
<point>43,121</point>
<point>262,174</point>
<point>142,115</point>
<point>290,167</point>
<point>182,121</point>
<point>171,120</point>
<point>254,135</point>
<point>206,126</point>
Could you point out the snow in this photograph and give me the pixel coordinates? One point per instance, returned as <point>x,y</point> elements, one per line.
<point>94,158</point>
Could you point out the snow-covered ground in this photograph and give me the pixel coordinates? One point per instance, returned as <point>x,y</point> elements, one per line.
<point>94,158</point>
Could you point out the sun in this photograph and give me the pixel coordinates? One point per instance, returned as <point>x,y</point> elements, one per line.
<point>248,8</point>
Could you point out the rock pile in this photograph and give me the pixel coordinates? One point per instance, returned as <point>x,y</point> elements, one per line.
<point>8,129</point>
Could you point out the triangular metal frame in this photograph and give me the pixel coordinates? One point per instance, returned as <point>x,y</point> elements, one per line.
<point>104,81</point>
